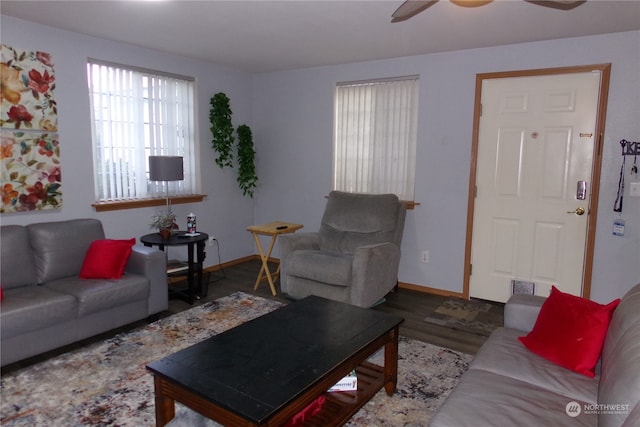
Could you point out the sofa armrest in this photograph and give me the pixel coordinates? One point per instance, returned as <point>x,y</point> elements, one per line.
<point>374,273</point>
<point>521,311</point>
<point>151,263</point>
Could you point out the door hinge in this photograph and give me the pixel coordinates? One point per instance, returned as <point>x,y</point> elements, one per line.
<point>470,269</point>
<point>480,110</point>
<point>475,192</point>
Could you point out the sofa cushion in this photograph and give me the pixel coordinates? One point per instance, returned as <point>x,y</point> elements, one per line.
<point>95,295</point>
<point>484,398</point>
<point>503,354</point>
<point>633,420</point>
<point>30,308</point>
<point>321,266</point>
<point>59,247</point>
<point>17,267</point>
<point>570,331</point>
<point>106,259</point>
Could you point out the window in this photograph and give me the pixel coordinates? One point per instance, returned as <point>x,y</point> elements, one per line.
<point>137,113</point>
<point>375,136</point>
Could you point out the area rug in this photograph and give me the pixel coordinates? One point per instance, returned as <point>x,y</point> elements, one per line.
<point>106,383</point>
<point>471,316</point>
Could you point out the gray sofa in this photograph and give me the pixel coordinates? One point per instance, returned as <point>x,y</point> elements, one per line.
<point>46,305</point>
<point>354,256</point>
<point>507,385</point>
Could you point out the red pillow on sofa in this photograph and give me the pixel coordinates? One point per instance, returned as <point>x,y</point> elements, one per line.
<point>570,331</point>
<point>106,259</point>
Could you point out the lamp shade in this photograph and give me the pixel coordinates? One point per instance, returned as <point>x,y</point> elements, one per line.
<point>166,168</point>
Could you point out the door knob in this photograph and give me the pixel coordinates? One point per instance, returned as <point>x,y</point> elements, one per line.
<point>578,211</point>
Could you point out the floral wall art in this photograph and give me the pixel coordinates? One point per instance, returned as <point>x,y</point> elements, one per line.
<point>30,152</point>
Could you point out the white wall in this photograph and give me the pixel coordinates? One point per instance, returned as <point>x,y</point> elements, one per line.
<point>224,213</point>
<point>293,118</point>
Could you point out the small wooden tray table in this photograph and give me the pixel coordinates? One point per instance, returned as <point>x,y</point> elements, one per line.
<point>273,229</point>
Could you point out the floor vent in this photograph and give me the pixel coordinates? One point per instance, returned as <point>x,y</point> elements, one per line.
<point>520,287</point>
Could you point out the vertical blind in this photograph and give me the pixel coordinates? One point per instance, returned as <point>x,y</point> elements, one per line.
<point>135,114</point>
<point>375,136</point>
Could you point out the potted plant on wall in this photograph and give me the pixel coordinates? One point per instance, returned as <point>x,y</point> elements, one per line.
<point>246,161</point>
<point>222,129</point>
<point>223,143</point>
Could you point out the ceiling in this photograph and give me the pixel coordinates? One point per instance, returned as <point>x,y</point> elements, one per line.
<point>265,35</point>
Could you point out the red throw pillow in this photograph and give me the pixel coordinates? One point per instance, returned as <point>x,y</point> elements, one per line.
<point>570,331</point>
<point>106,259</point>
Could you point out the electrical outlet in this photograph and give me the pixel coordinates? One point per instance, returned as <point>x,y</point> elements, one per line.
<point>425,257</point>
<point>211,240</point>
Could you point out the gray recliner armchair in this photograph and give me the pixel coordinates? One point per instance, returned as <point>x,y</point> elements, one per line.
<point>353,258</point>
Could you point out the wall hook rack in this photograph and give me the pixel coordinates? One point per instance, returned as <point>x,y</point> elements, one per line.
<point>630,148</point>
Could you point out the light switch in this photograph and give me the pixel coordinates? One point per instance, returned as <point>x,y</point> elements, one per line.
<point>634,189</point>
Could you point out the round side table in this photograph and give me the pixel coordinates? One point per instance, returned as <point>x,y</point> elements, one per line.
<point>195,259</point>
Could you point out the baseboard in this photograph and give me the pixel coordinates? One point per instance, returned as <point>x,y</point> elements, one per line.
<point>428,290</point>
<point>231,263</point>
<point>402,285</point>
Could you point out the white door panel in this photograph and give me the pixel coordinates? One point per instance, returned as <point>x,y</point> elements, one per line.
<point>535,141</point>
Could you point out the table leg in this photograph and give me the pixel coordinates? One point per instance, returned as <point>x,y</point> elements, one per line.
<point>165,406</point>
<point>265,266</point>
<point>190,273</point>
<point>391,362</point>
<point>203,289</point>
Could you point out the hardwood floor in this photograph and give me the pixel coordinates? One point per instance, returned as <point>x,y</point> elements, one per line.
<point>413,306</point>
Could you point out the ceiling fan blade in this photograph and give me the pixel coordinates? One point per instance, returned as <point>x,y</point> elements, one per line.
<point>410,8</point>
<point>558,4</point>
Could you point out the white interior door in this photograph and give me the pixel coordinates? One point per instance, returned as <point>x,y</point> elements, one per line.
<point>535,144</point>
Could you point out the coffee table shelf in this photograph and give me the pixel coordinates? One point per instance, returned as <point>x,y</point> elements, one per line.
<point>340,406</point>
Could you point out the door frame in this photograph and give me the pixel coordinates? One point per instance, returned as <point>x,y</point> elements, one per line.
<point>603,94</point>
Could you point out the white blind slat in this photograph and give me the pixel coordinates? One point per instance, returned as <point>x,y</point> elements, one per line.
<point>135,114</point>
<point>375,137</point>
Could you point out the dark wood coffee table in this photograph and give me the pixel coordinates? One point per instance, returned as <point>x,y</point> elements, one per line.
<point>265,371</point>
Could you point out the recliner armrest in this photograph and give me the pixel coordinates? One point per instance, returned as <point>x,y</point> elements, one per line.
<point>374,272</point>
<point>521,311</point>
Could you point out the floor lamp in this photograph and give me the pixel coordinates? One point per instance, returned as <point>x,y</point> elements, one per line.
<point>166,168</point>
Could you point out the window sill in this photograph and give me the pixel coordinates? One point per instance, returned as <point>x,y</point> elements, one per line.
<point>410,204</point>
<point>143,203</point>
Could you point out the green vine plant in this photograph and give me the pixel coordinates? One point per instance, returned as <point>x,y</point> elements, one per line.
<point>223,143</point>
<point>247,178</point>
<point>222,129</point>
